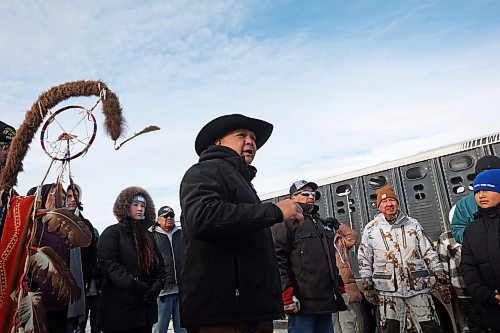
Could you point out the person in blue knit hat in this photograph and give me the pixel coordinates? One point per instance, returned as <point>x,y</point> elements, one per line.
<point>480,264</point>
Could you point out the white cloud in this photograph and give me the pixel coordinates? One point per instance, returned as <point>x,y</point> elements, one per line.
<point>338,103</point>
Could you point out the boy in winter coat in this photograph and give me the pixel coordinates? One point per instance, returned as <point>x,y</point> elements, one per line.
<point>480,264</point>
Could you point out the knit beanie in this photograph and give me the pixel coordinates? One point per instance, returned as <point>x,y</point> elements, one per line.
<point>386,192</point>
<point>487,162</point>
<point>7,132</point>
<point>488,180</point>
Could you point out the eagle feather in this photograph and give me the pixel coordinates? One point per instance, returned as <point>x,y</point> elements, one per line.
<point>69,226</point>
<point>32,314</point>
<point>62,280</point>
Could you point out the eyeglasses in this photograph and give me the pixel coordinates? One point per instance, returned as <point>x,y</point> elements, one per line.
<point>306,193</point>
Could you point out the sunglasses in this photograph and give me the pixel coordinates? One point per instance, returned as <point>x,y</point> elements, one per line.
<point>306,193</point>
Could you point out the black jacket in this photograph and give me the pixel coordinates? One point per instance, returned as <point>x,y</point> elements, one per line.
<point>172,252</point>
<point>121,305</point>
<point>480,264</point>
<point>230,273</point>
<point>305,265</point>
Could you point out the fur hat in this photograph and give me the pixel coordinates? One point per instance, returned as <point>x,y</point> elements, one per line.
<point>7,132</point>
<point>488,180</point>
<point>386,192</point>
<point>487,162</point>
<point>124,199</point>
<point>222,125</point>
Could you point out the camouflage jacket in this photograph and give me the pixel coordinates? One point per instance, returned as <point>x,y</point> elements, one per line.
<point>399,258</point>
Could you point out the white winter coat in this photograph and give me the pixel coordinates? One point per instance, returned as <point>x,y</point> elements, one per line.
<point>399,258</point>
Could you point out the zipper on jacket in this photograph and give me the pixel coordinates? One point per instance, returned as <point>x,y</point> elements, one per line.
<point>236,276</point>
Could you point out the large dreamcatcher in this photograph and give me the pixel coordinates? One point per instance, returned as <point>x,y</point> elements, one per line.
<point>67,134</point>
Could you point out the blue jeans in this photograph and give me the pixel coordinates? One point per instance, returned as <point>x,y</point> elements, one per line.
<point>310,323</point>
<point>168,306</point>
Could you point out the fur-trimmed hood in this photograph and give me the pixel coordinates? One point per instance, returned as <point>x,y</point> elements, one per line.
<point>122,203</point>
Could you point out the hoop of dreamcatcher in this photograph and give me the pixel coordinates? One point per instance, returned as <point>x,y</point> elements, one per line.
<point>63,144</point>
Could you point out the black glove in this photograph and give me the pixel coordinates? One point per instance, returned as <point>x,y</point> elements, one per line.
<point>153,291</point>
<point>335,224</point>
<point>140,287</point>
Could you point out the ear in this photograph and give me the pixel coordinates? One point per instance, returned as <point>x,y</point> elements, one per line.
<point>218,142</point>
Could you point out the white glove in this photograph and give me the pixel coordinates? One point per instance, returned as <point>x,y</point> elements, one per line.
<point>293,307</point>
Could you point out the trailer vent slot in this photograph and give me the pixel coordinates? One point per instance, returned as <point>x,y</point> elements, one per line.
<point>459,163</point>
<point>377,182</point>
<point>416,173</point>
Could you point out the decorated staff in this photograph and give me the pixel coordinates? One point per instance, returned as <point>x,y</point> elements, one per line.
<point>25,253</point>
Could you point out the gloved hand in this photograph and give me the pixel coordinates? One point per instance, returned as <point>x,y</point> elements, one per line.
<point>369,291</point>
<point>140,287</point>
<point>153,291</point>
<point>334,223</point>
<point>442,286</point>
<point>442,278</point>
<point>292,304</point>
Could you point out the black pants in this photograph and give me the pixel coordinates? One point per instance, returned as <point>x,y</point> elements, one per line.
<point>392,326</point>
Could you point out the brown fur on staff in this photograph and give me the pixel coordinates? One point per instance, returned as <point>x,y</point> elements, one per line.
<point>114,122</point>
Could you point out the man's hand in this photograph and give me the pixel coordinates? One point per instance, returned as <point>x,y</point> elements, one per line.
<point>369,291</point>
<point>443,279</point>
<point>333,223</point>
<point>292,304</point>
<point>291,211</point>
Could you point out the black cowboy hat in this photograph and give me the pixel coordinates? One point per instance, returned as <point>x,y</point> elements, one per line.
<point>222,125</point>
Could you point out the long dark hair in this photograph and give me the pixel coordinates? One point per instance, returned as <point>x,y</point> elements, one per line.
<point>143,248</point>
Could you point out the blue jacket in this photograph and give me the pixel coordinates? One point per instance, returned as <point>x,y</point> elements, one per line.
<point>463,216</point>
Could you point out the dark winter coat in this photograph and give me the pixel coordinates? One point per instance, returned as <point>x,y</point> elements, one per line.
<point>305,265</point>
<point>230,273</point>
<point>480,265</point>
<point>122,305</point>
<point>173,253</point>
<point>89,256</point>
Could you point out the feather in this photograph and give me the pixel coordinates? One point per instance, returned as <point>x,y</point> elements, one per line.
<point>68,225</point>
<point>62,280</point>
<point>147,129</point>
<point>32,314</point>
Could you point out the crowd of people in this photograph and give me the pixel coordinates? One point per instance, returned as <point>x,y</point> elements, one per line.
<point>237,264</point>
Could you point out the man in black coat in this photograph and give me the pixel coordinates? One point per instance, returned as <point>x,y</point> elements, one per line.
<point>480,263</point>
<point>230,280</point>
<point>306,259</point>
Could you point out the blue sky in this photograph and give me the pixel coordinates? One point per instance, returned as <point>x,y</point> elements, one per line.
<point>347,84</point>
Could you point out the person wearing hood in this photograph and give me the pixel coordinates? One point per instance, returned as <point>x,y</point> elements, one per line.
<point>83,265</point>
<point>230,278</point>
<point>49,196</point>
<point>170,242</point>
<point>131,265</point>
<point>396,261</point>
<point>306,261</point>
<point>480,265</point>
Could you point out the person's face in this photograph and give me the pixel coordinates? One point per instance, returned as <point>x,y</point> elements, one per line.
<point>487,199</point>
<point>388,207</point>
<point>241,141</point>
<point>166,222</point>
<point>137,210</point>
<point>71,200</point>
<point>305,195</point>
<point>4,150</point>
